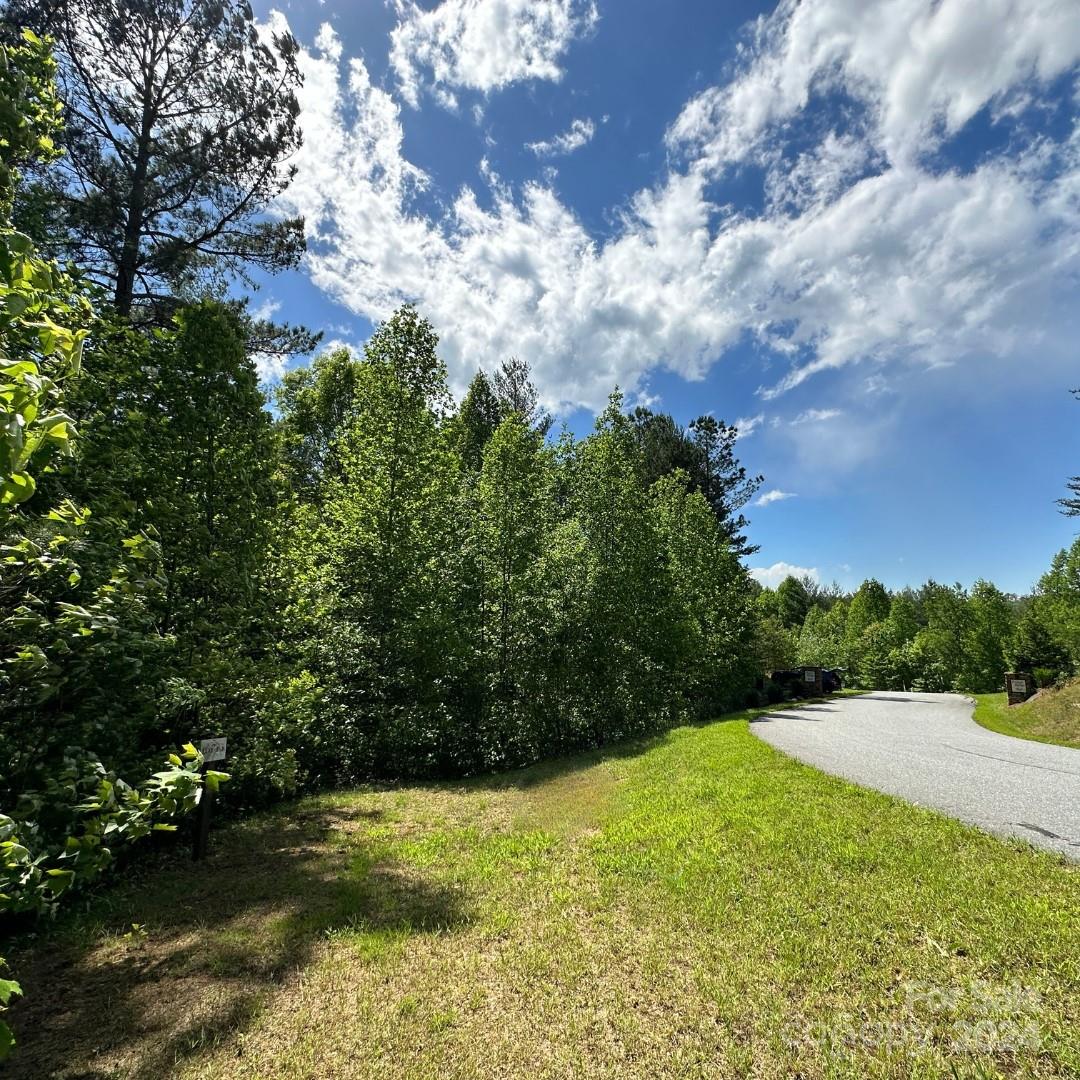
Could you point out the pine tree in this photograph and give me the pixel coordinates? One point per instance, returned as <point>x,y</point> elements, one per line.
<point>180,123</point>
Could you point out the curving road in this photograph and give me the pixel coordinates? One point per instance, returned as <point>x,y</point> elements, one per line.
<point>927,749</point>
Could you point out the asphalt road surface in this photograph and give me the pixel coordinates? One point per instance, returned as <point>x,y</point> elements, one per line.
<point>927,749</point>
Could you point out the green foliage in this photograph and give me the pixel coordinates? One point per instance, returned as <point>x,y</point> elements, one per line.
<point>462,596</point>
<point>620,661</point>
<point>317,404</point>
<point>714,602</point>
<point>476,421</point>
<point>822,636</point>
<point>1057,601</point>
<point>489,401</point>
<point>36,353</point>
<point>30,112</point>
<point>8,989</point>
<point>776,647</point>
<point>74,620</point>
<point>76,638</point>
<point>793,602</point>
<point>67,833</point>
<point>990,633</point>
<point>513,512</point>
<point>1033,647</point>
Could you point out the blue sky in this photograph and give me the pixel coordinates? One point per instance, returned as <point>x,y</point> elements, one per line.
<point>853,225</point>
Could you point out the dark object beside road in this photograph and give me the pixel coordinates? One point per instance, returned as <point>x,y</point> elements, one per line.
<point>797,683</point>
<point>1019,685</point>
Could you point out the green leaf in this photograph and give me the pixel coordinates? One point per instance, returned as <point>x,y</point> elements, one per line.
<point>7,1040</point>
<point>8,989</point>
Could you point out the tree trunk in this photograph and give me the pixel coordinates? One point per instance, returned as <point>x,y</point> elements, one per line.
<point>129,254</point>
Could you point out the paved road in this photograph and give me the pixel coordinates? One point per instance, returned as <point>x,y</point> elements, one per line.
<point>927,749</point>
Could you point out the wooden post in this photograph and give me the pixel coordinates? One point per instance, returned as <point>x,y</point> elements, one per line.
<point>213,752</point>
<point>202,823</point>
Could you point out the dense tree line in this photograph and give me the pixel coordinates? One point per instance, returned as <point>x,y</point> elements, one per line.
<point>934,638</point>
<point>367,580</point>
<point>462,593</point>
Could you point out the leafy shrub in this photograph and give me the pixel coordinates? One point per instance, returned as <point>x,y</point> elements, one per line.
<point>65,835</point>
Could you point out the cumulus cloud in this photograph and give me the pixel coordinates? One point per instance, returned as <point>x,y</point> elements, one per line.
<point>863,249</point>
<point>579,134</point>
<point>771,576</point>
<point>483,45</point>
<point>776,495</point>
<point>922,68</point>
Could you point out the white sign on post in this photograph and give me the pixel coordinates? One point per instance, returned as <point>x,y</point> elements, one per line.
<point>1018,686</point>
<point>810,676</point>
<point>212,750</point>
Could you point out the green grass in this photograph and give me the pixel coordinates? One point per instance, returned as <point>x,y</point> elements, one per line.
<point>1053,716</point>
<point>696,905</point>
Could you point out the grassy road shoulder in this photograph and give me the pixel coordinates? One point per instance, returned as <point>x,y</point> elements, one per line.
<point>695,905</point>
<point>1053,716</point>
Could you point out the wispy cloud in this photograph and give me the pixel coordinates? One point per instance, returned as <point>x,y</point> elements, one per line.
<point>265,309</point>
<point>747,425</point>
<point>579,134</point>
<point>776,495</point>
<point>814,416</point>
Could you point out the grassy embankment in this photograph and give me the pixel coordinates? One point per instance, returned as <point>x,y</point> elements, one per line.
<point>695,905</point>
<point>1052,716</point>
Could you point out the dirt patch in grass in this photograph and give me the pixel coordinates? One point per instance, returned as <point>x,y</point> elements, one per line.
<point>185,957</point>
<point>692,906</point>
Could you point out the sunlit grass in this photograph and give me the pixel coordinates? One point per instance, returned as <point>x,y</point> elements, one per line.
<point>696,905</point>
<point>1053,716</point>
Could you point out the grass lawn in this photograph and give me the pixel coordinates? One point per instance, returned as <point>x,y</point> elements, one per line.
<point>695,905</point>
<point>1053,716</point>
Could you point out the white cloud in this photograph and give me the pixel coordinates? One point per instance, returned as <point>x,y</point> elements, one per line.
<point>775,495</point>
<point>859,253</point>
<point>815,416</point>
<point>747,425</point>
<point>579,134</point>
<point>269,366</point>
<point>483,45</point>
<point>922,68</point>
<point>771,576</point>
<point>266,309</point>
<point>336,344</point>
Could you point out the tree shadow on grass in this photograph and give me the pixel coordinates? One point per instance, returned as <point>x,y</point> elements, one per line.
<point>557,768</point>
<point>565,765</point>
<point>180,958</point>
